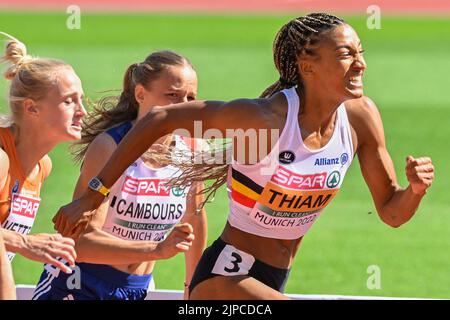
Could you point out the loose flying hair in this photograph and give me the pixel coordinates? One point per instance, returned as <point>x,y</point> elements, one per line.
<point>110,111</point>
<point>31,78</point>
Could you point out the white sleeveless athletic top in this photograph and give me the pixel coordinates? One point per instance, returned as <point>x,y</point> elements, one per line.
<point>284,194</point>
<point>142,207</point>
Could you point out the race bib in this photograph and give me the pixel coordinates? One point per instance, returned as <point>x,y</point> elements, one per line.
<point>233,262</point>
<point>293,201</point>
<point>21,216</point>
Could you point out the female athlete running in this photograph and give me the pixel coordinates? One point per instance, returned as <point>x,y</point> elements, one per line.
<point>323,118</point>
<point>116,254</point>
<point>45,98</point>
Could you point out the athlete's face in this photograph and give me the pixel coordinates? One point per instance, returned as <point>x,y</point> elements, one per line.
<point>175,84</point>
<point>61,111</point>
<point>337,67</point>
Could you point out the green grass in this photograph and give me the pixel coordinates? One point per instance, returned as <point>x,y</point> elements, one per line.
<point>408,74</point>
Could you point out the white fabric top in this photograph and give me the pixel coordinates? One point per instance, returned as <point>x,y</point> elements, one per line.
<point>283,195</point>
<point>141,207</point>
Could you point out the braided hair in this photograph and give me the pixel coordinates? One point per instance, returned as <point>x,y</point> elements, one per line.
<point>291,41</point>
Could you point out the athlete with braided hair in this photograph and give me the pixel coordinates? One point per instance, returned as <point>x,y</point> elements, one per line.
<point>324,119</point>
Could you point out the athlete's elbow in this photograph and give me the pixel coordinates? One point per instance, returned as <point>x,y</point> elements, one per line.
<point>395,225</point>
<point>83,247</point>
<point>392,220</point>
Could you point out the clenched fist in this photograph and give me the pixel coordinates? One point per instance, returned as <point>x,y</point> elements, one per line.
<point>179,240</point>
<point>420,173</point>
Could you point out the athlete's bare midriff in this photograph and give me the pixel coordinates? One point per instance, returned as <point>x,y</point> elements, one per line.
<point>279,253</point>
<point>136,268</point>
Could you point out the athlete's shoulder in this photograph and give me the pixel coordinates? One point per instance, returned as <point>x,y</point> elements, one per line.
<point>245,105</point>
<point>365,118</point>
<point>263,108</point>
<point>101,147</point>
<point>4,167</point>
<point>361,107</point>
<point>47,162</point>
<point>240,113</point>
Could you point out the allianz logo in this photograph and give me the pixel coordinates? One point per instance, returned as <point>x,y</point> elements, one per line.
<point>343,159</point>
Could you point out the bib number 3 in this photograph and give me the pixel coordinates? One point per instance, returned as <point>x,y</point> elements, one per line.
<point>238,259</point>
<point>232,261</point>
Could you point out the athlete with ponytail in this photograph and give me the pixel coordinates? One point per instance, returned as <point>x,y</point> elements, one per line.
<point>45,99</point>
<point>118,251</point>
<point>323,118</point>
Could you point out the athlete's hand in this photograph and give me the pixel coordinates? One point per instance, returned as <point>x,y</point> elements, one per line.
<point>47,248</point>
<point>179,240</point>
<point>72,219</point>
<point>420,174</point>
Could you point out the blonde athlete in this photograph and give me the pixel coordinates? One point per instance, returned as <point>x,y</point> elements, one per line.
<point>323,119</point>
<point>117,254</point>
<point>45,98</point>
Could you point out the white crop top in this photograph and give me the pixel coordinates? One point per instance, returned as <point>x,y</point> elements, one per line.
<point>141,206</point>
<point>283,195</point>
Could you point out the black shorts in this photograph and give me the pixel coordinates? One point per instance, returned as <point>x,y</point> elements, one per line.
<point>222,259</point>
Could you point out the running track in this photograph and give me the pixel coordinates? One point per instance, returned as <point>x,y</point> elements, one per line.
<point>429,7</point>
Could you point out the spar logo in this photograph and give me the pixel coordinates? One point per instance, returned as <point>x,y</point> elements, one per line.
<point>333,179</point>
<point>146,187</point>
<point>177,191</point>
<point>24,206</point>
<point>286,178</point>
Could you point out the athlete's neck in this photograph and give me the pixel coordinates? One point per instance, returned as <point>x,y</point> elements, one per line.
<point>317,114</point>
<point>31,146</point>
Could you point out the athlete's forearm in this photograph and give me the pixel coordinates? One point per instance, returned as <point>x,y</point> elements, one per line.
<point>400,208</point>
<point>7,288</point>
<point>100,247</point>
<point>157,123</point>
<point>146,131</point>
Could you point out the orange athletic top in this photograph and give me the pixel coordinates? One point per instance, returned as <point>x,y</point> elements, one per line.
<point>20,196</point>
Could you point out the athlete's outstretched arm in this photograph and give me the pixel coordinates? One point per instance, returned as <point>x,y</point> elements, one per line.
<point>97,246</point>
<point>73,218</point>
<point>7,287</point>
<point>395,205</point>
<point>197,219</point>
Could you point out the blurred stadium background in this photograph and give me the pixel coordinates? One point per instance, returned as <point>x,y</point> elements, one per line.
<point>230,42</point>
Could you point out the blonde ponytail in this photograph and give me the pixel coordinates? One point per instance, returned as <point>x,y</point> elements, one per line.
<point>31,78</point>
<point>15,54</point>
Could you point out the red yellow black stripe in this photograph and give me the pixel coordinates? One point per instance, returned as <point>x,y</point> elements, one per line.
<point>244,190</point>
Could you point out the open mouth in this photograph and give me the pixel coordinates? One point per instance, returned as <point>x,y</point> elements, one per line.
<point>77,125</point>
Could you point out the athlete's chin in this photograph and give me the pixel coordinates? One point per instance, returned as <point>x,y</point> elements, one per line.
<point>73,134</point>
<point>354,92</point>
